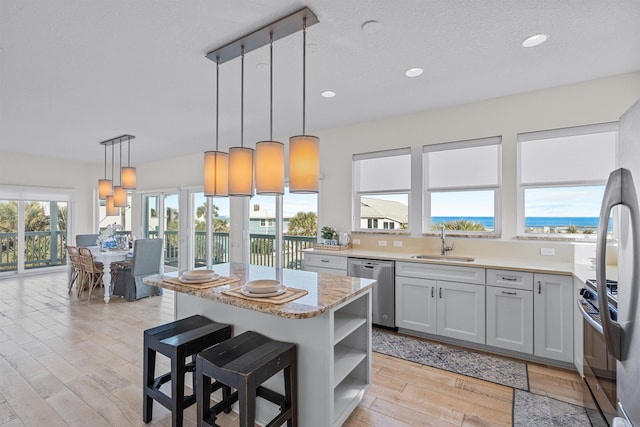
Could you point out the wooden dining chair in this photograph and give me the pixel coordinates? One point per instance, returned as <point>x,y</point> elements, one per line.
<point>91,272</point>
<point>76,275</point>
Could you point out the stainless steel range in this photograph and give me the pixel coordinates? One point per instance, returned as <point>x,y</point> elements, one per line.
<point>599,363</point>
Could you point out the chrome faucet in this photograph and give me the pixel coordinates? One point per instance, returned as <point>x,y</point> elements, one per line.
<point>444,248</point>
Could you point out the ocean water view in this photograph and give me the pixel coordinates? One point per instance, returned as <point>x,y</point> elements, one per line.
<point>533,222</point>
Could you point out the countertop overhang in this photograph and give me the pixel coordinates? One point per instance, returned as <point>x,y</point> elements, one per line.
<point>324,291</point>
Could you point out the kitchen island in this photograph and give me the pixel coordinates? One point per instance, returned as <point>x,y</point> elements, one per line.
<point>331,326</point>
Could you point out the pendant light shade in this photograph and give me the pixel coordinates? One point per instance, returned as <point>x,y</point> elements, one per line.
<point>111,209</point>
<point>241,171</point>
<point>216,173</point>
<point>128,177</point>
<point>119,196</point>
<point>270,168</point>
<point>105,188</point>
<point>304,164</point>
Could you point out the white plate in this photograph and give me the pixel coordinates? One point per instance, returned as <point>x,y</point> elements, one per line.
<point>262,286</point>
<point>248,293</point>
<point>198,280</point>
<point>198,274</point>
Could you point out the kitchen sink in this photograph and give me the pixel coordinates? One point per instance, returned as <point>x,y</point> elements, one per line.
<point>444,257</point>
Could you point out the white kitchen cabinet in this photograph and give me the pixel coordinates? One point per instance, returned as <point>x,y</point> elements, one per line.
<point>416,304</point>
<point>510,318</point>
<point>553,303</point>
<point>461,311</point>
<point>427,302</point>
<point>327,264</point>
<point>578,331</point>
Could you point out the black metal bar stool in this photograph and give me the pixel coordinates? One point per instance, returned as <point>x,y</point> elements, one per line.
<point>177,340</point>
<point>244,362</point>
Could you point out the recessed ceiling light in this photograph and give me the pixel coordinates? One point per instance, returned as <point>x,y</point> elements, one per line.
<point>328,94</point>
<point>413,72</point>
<point>535,40</point>
<point>371,27</point>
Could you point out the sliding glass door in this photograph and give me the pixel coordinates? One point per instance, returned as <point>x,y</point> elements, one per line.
<point>161,220</point>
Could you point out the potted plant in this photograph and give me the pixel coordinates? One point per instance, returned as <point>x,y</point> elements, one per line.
<point>327,234</point>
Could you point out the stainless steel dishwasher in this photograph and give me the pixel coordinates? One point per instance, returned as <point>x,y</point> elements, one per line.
<point>383,303</point>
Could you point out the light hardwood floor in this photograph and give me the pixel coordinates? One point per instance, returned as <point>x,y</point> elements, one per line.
<point>67,361</point>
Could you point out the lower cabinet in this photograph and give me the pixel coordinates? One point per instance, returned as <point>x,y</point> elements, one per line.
<point>510,319</point>
<point>451,309</point>
<point>553,302</point>
<point>461,311</point>
<point>327,264</point>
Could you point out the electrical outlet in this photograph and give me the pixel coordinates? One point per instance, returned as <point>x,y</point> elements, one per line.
<point>382,243</point>
<point>356,241</point>
<point>397,243</point>
<point>547,251</point>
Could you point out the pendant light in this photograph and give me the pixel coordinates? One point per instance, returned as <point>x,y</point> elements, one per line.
<point>270,154</point>
<point>119,192</point>
<point>216,163</point>
<point>111,209</point>
<point>128,173</point>
<point>105,186</point>
<point>304,150</point>
<point>241,158</point>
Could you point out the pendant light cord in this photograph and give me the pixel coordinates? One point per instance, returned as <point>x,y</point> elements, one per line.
<point>105,161</point>
<point>120,163</point>
<point>304,72</point>
<point>128,151</point>
<point>112,160</point>
<point>271,87</point>
<point>217,97</point>
<point>242,100</point>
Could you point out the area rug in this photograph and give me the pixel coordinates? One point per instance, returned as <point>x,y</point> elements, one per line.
<point>528,409</point>
<point>541,411</point>
<point>478,365</point>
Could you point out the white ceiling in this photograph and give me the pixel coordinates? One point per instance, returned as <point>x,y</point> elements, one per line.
<point>76,72</point>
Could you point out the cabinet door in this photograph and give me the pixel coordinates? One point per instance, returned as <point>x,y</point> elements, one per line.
<point>416,304</point>
<point>553,316</point>
<point>461,311</point>
<point>510,319</point>
<point>327,264</point>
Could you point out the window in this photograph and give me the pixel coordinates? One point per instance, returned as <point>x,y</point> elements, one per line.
<point>266,223</point>
<point>562,174</point>
<point>382,184</point>
<point>462,182</point>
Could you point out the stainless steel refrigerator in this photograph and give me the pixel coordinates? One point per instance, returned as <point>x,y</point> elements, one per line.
<point>622,337</point>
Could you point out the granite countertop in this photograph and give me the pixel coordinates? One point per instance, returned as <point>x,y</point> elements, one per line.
<point>324,291</point>
<point>580,271</point>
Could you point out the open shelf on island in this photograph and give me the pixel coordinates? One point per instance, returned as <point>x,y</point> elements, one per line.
<point>345,324</point>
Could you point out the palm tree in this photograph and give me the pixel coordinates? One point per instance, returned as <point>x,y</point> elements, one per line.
<point>459,224</point>
<point>303,224</point>
<point>219,225</point>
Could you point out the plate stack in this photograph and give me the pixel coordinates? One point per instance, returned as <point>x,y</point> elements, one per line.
<point>198,276</point>
<point>263,288</point>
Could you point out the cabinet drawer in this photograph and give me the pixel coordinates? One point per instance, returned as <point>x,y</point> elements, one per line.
<point>450,273</point>
<point>510,279</point>
<point>325,261</point>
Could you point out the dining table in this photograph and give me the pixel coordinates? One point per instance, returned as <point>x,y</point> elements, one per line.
<point>106,257</point>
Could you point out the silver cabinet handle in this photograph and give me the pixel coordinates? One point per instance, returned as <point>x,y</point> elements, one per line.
<point>324,260</point>
<point>539,287</point>
<point>509,293</point>
<point>509,279</point>
<point>432,295</point>
<point>440,291</point>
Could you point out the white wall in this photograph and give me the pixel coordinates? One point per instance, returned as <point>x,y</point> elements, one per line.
<point>597,101</point>
<point>38,171</point>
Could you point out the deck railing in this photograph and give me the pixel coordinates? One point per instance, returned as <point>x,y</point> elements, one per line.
<point>45,249</point>
<point>42,249</point>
